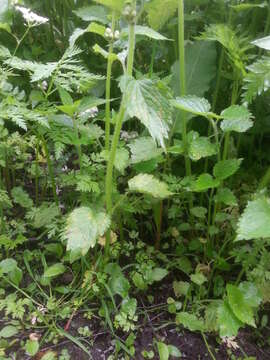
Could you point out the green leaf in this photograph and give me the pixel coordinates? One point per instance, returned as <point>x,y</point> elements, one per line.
<point>201,147</point>
<point>199,212</point>
<point>144,149</point>
<point>5,26</point>
<point>146,31</point>
<point>174,351</point>
<point>239,305</point>
<point>226,168</point>
<point>31,347</point>
<point>225,196</point>
<point>251,293</point>
<point>8,331</point>
<point>96,29</point>
<point>198,278</point>
<point>65,97</point>
<point>255,221</point>
<point>147,184</point>
<point>83,228</point>
<point>249,6</point>
<point>163,351</point>
<point>121,160</point>
<point>21,197</point>
<point>180,288</point>
<point>93,13</point>
<point>54,270</point>
<point>205,182</point>
<point>263,43</point>
<point>116,5</point>
<point>8,265</point>
<point>160,11</point>
<point>192,104</point>
<point>189,321</point>
<point>157,274</point>
<point>236,118</point>
<point>228,323</point>
<point>146,102</point>
<point>200,68</point>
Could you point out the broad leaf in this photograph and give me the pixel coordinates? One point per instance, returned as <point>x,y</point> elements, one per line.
<point>121,160</point>
<point>201,147</point>
<point>192,104</point>
<point>239,305</point>
<point>198,212</point>
<point>205,182</point>
<point>236,118</point>
<point>255,221</point>
<point>144,149</point>
<point>163,351</point>
<point>226,168</point>
<point>8,331</point>
<point>146,102</point>
<point>225,196</point>
<point>83,228</point>
<point>148,184</point>
<point>189,321</point>
<point>160,11</point>
<point>54,270</point>
<point>93,13</point>
<point>145,31</point>
<point>263,43</point>
<point>116,5</point>
<point>251,293</point>
<point>228,323</point>
<point>200,68</point>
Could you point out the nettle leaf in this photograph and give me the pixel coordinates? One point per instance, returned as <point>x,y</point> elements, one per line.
<point>226,168</point>
<point>263,43</point>
<point>93,13</point>
<point>200,68</point>
<point>144,149</point>
<point>225,196</point>
<point>148,184</point>
<point>255,221</point>
<point>148,32</point>
<point>84,226</point>
<point>228,323</point>
<point>146,102</point>
<point>201,147</point>
<point>189,321</point>
<point>236,118</point>
<point>251,293</point>
<point>160,11</point>
<point>192,104</point>
<point>8,331</point>
<point>205,182</point>
<point>121,159</point>
<point>239,305</point>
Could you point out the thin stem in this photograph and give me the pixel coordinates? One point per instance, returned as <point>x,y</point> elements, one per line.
<point>21,40</point>
<point>108,90</point>
<point>50,169</point>
<point>78,146</point>
<point>208,347</point>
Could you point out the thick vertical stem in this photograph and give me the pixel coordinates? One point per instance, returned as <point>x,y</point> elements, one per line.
<point>182,73</point>
<point>108,91</point>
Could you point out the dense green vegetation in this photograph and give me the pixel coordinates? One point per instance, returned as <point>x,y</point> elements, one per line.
<point>134,155</point>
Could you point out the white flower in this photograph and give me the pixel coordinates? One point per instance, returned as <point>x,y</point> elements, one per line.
<point>31,18</point>
<point>91,113</point>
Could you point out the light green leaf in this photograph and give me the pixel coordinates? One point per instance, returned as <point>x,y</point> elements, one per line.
<point>65,96</point>
<point>227,321</point>
<point>205,182</point>
<point>8,331</point>
<point>163,351</point>
<point>180,288</point>
<point>201,147</point>
<point>147,184</point>
<point>225,196</point>
<point>83,228</point>
<point>198,278</point>
<point>8,265</point>
<point>146,102</point>
<point>255,221</point>
<point>54,270</point>
<point>116,5</point>
<point>5,26</point>
<point>226,168</point>
<point>249,6</point>
<point>239,305</point>
<point>236,118</point>
<point>251,293</point>
<point>75,35</point>
<point>157,274</point>
<point>21,197</point>
<point>189,321</point>
<point>93,13</point>
<point>174,351</point>
<point>121,160</point>
<point>199,212</point>
<point>144,149</point>
<point>263,43</point>
<point>160,11</point>
<point>31,347</point>
<point>192,104</point>
<point>146,31</point>
<point>200,68</point>
<point>97,29</point>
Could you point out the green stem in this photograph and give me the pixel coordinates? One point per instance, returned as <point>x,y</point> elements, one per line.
<point>116,135</point>
<point>208,347</point>
<point>50,169</point>
<point>108,90</point>
<point>78,146</point>
<point>20,41</point>
<point>182,72</point>
<point>37,173</point>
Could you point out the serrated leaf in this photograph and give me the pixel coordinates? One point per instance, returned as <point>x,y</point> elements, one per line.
<point>199,212</point>
<point>236,118</point>
<point>160,11</point>
<point>148,184</point>
<point>144,149</point>
<point>54,270</point>
<point>198,278</point>
<point>255,221</point>
<point>121,159</point>
<point>75,35</point>
<point>189,321</point>
<point>225,196</point>
<point>200,67</point>
<point>239,305</point>
<point>93,13</point>
<point>226,168</point>
<point>201,147</point>
<point>84,226</point>
<point>146,102</point>
<point>192,104</point>
<point>263,43</point>
<point>228,323</point>
<point>251,293</point>
<point>205,182</point>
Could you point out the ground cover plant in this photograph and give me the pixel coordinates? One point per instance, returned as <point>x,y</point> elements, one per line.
<point>134,179</point>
